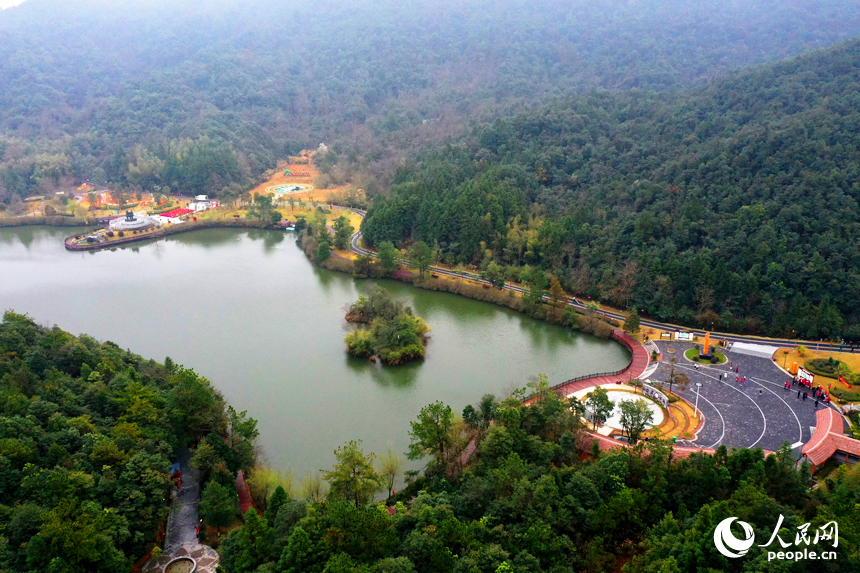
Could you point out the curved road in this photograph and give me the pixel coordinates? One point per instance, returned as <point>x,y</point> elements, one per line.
<point>572,301</point>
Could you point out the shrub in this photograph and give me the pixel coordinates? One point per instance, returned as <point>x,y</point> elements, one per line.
<point>121,234</point>
<point>110,233</point>
<point>847,395</point>
<point>323,251</point>
<point>359,343</point>
<point>829,367</point>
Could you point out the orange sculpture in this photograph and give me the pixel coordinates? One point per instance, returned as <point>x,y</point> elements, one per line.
<point>707,343</point>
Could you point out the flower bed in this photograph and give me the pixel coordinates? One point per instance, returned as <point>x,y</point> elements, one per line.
<point>176,212</point>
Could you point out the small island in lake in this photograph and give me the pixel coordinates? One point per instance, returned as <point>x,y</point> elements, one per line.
<point>391,331</point>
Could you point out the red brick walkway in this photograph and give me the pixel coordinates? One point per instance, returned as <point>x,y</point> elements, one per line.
<point>245,501</point>
<point>638,364</point>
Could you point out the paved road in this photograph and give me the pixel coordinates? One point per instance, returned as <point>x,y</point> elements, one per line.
<point>577,304</point>
<point>738,415</point>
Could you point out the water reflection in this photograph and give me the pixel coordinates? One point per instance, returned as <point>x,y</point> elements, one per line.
<point>207,238</point>
<point>270,238</point>
<point>402,376</point>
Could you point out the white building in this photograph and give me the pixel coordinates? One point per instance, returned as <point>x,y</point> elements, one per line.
<point>200,203</point>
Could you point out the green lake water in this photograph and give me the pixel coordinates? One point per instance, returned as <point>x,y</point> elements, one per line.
<point>250,312</point>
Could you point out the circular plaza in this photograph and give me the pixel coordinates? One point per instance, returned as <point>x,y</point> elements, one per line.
<point>619,394</point>
<point>289,189</point>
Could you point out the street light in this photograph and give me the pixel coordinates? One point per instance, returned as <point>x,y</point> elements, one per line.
<point>698,386</point>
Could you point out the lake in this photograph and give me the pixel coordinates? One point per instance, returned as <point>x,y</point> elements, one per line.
<point>247,309</point>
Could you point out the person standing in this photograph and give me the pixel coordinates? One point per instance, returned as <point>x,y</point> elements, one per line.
<point>798,394</point>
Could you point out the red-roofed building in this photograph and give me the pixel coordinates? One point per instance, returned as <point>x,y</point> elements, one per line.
<point>829,440</point>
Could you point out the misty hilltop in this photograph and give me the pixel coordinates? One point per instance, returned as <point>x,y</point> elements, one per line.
<point>86,82</point>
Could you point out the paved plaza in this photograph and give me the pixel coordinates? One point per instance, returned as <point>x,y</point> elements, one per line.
<point>757,413</point>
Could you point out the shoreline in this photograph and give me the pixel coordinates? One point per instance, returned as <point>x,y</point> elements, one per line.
<point>609,316</point>
<point>165,232</point>
<point>480,293</point>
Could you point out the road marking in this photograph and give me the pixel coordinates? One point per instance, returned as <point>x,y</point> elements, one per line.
<point>799,425</point>
<point>763,417</point>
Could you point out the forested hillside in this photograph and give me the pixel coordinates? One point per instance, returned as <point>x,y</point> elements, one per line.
<point>203,96</point>
<point>732,205</point>
<point>87,435</point>
<point>537,497</point>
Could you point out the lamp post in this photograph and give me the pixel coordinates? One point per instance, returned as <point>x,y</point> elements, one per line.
<point>698,386</point>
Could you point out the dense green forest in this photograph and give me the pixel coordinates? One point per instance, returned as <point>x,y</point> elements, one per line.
<point>537,497</point>
<point>204,96</point>
<point>731,206</point>
<point>87,435</point>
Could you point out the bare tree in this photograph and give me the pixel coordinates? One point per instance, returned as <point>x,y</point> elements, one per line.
<point>676,377</point>
<point>704,297</point>
<point>389,467</point>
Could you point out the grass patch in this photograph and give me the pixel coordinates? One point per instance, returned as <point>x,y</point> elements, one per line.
<point>827,367</point>
<point>693,354</point>
<point>847,395</point>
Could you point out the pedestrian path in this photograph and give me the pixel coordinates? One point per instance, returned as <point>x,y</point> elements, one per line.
<point>182,523</point>
<point>638,363</point>
<point>181,537</point>
<point>245,501</point>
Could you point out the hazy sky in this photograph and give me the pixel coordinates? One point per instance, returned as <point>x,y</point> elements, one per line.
<point>8,3</point>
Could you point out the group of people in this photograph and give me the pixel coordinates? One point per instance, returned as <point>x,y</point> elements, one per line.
<point>176,477</point>
<point>736,369</point>
<point>817,393</point>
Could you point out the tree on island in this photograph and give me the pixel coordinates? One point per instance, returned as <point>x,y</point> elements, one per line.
<point>598,403</point>
<point>636,417</point>
<point>395,334</point>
